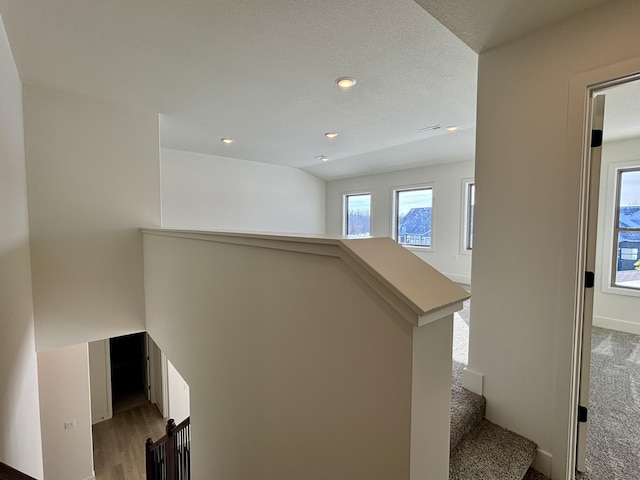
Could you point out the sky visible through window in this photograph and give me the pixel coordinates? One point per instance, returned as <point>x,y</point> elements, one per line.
<point>630,189</point>
<point>358,220</point>
<point>409,199</point>
<point>359,203</point>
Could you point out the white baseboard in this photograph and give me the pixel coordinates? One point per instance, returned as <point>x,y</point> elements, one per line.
<point>542,462</point>
<point>473,381</point>
<point>619,325</point>
<point>466,279</point>
<point>101,417</point>
<point>92,477</point>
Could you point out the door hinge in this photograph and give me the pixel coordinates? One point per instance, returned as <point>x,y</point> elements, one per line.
<point>582,414</point>
<point>589,279</point>
<point>596,138</point>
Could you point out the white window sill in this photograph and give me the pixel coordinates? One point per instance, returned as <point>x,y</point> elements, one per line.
<point>417,248</point>
<point>628,292</point>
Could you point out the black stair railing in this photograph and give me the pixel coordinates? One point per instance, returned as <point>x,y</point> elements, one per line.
<point>169,458</point>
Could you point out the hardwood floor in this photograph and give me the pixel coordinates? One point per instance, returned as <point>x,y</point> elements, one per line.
<point>118,443</point>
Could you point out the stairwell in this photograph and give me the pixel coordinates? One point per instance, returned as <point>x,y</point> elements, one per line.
<point>479,449</point>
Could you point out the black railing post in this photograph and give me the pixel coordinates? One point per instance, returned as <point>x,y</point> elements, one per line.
<point>169,457</point>
<point>171,450</point>
<point>149,458</point>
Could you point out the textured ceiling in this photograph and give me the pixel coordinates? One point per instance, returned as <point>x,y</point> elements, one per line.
<point>622,111</point>
<point>486,24</point>
<point>263,72</point>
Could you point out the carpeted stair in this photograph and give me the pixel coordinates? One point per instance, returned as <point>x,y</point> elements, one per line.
<point>481,450</point>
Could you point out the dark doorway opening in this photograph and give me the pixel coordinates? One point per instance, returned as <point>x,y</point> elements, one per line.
<point>128,371</point>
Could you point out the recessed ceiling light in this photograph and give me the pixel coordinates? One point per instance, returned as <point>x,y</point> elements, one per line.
<point>331,134</point>
<point>453,128</point>
<point>323,158</point>
<point>431,128</point>
<point>346,82</point>
<point>226,140</point>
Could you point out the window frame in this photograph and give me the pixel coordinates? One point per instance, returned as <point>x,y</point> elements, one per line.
<point>615,234</point>
<point>345,211</point>
<point>467,216</point>
<point>609,239</point>
<point>395,217</point>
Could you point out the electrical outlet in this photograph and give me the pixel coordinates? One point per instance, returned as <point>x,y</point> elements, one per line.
<point>69,424</point>
<point>454,258</point>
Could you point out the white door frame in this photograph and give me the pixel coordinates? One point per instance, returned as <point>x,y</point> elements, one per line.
<point>593,179</point>
<point>165,385</point>
<point>149,380</point>
<point>154,380</point>
<point>581,89</point>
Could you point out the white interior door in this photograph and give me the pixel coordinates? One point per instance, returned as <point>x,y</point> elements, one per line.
<point>597,125</point>
<point>148,372</point>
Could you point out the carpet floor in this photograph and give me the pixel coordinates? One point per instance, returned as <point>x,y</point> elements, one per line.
<point>460,360</point>
<point>613,439</point>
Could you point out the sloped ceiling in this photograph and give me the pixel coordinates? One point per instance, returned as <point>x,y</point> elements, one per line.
<point>486,24</point>
<point>263,72</point>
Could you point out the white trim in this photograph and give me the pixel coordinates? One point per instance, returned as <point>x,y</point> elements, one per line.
<point>101,417</point>
<point>464,215</point>
<point>343,215</point>
<point>165,385</point>
<point>454,277</point>
<point>608,242</point>
<point>147,367</point>
<point>437,315</point>
<point>542,462</point>
<point>568,362</point>
<point>152,369</point>
<point>627,292</point>
<point>615,324</point>
<point>394,223</point>
<point>107,349</point>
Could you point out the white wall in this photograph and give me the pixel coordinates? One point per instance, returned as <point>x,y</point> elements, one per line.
<point>93,181</point>
<point>529,155</point>
<point>179,408</point>
<point>100,380</point>
<point>281,378</point>
<point>216,193</point>
<point>20,440</point>
<point>447,180</point>
<point>619,310</point>
<point>64,397</point>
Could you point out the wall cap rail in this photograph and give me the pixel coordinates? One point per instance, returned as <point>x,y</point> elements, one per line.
<point>417,291</point>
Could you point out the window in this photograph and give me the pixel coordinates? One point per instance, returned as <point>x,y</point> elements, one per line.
<point>469,203</point>
<point>626,235</point>
<point>357,214</point>
<point>414,216</point>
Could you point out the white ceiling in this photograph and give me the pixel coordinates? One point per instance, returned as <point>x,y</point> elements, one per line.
<point>622,111</point>
<point>486,24</point>
<point>263,72</point>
